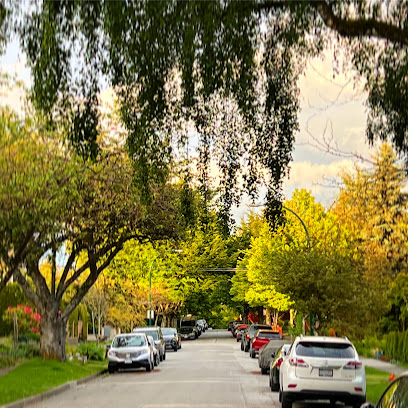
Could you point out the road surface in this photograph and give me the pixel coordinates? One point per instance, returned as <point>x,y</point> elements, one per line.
<point>210,372</point>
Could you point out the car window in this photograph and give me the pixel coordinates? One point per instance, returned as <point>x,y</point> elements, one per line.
<point>269,335</point>
<point>168,331</point>
<point>325,350</point>
<point>152,333</point>
<point>189,323</point>
<point>396,396</point>
<point>129,341</point>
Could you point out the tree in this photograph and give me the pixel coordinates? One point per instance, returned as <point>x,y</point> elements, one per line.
<point>51,200</point>
<point>96,300</point>
<point>247,54</point>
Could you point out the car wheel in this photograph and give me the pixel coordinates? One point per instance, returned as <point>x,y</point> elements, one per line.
<point>274,384</point>
<point>161,357</point>
<point>280,395</point>
<point>286,402</point>
<point>251,353</point>
<point>111,369</point>
<point>264,371</point>
<point>175,348</point>
<point>149,367</point>
<point>164,356</point>
<point>242,347</point>
<point>156,360</point>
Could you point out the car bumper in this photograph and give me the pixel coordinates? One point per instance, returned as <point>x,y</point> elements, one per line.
<point>134,364</point>
<point>346,397</point>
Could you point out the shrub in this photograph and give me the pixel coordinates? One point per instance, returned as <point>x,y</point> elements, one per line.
<point>27,319</point>
<point>28,350</point>
<point>92,350</point>
<point>7,361</point>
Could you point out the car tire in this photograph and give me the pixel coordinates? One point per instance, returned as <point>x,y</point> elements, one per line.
<point>149,368</point>
<point>111,370</point>
<point>175,348</point>
<point>274,385</point>
<point>161,357</point>
<point>242,347</point>
<point>264,371</point>
<point>164,356</point>
<point>286,402</point>
<point>156,360</point>
<point>280,395</point>
<point>251,353</point>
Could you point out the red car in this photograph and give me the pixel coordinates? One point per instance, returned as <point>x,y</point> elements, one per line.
<point>261,338</point>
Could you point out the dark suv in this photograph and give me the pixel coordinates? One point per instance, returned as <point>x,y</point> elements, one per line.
<point>250,332</point>
<point>157,335</point>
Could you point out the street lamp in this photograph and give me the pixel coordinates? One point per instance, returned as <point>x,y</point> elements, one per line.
<point>150,311</point>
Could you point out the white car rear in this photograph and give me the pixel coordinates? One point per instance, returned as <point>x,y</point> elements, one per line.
<point>322,368</point>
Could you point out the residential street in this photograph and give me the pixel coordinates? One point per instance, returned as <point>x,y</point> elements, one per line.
<point>210,372</point>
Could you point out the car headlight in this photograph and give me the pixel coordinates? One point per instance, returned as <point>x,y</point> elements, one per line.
<point>112,353</point>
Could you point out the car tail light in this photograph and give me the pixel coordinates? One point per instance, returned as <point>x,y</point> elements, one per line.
<point>279,362</point>
<point>353,365</point>
<point>298,362</point>
<point>292,385</point>
<point>358,389</point>
<point>247,336</point>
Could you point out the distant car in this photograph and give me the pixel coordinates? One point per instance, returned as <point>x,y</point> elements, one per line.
<point>318,368</point>
<point>250,332</point>
<point>235,326</point>
<point>156,355</point>
<point>267,353</point>
<point>172,338</point>
<point>189,328</point>
<point>240,330</point>
<point>395,395</point>
<point>131,350</point>
<point>202,324</point>
<point>261,338</point>
<point>230,323</point>
<point>156,333</point>
<point>274,366</point>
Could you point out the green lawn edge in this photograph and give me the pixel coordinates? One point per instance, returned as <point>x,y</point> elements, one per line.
<point>36,376</point>
<point>377,382</point>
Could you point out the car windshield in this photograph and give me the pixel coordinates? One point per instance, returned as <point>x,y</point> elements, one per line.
<point>268,335</point>
<point>325,350</point>
<point>128,341</point>
<point>190,323</point>
<point>148,332</point>
<point>168,331</point>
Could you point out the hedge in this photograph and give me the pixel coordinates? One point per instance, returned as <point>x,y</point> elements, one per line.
<point>396,346</point>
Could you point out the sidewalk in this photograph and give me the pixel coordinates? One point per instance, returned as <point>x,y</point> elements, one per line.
<point>383,366</point>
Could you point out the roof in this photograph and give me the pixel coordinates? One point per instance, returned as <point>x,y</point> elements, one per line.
<point>325,339</point>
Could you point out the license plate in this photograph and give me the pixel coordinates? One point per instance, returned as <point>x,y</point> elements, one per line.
<point>128,361</point>
<point>325,372</point>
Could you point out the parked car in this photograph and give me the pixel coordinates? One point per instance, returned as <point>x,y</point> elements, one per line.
<point>240,330</point>
<point>395,395</point>
<point>131,350</point>
<point>156,355</point>
<point>235,326</point>
<point>172,338</point>
<point>229,326</point>
<point>250,332</point>
<point>319,367</point>
<point>261,338</point>
<point>202,324</point>
<point>156,333</point>
<point>189,328</point>
<point>267,354</point>
<point>274,366</point>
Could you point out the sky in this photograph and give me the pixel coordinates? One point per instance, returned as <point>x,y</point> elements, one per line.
<point>332,112</point>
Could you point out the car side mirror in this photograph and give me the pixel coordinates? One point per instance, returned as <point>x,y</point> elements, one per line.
<point>108,346</point>
<point>367,405</point>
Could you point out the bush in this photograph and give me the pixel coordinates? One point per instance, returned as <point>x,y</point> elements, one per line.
<point>28,350</point>
<point>92,350</point>
<point>7,361</point>
<point>29,337</point>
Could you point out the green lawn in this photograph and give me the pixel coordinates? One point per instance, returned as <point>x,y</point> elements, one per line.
<point>36,376</point>
<point>377,382</point>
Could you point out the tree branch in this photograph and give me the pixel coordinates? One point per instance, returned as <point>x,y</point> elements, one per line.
<point>31,295</point>
<point>359,27</point>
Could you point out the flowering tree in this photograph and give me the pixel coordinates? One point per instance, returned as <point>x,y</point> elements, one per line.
<point>28,320</point>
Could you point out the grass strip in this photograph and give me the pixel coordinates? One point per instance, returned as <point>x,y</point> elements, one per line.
<point>377,382</point>
<point>37,375</point>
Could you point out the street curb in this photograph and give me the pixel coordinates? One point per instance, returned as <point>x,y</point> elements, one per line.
<point>54,391</point>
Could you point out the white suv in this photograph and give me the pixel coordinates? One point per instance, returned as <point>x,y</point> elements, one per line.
<point>323,368</point>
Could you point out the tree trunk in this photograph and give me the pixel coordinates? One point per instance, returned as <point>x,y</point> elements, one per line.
<point>53,334</point>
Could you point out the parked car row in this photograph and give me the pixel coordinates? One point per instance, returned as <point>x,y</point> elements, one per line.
<point>314,368</point>
<point>191,328</point>
<point>145,348</point>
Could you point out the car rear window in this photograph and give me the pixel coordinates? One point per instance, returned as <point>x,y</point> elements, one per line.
<point>254,329</point>
<point>269,335</point>
<point>153,333</point>
<point>325,350</point>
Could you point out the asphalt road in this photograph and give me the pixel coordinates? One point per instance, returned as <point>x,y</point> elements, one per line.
<point>211,372</point>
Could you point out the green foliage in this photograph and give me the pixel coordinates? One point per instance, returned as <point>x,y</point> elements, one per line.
<point>28,320</point>
<point>396,346</point>
<point>93,351</point>
<point>6,361</point>
<point>297,328</point>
